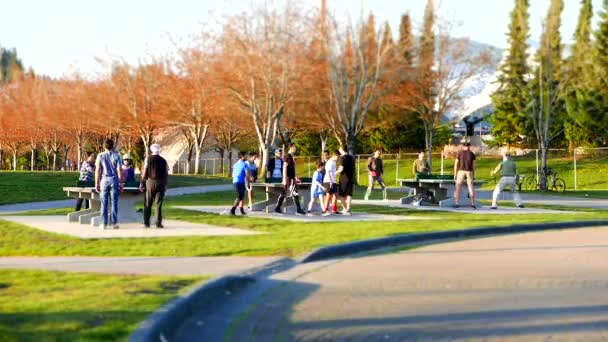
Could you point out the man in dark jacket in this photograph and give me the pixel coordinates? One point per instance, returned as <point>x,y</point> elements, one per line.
<point>154,183</point>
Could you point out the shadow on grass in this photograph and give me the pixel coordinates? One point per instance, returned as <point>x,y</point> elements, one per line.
<point>69,326</point>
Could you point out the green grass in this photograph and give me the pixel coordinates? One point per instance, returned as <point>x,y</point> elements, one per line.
<point>592,171</point>
<point>282,238</point>
<point>56,306</point>
<point>22,187</point>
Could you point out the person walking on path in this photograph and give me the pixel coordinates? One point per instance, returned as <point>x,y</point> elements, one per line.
<point>317,191</point>
<point>253,172</point>
<point>240,174</point>
<point>508,170</point>
<point>154,182</point>
<point>421,166</point>
<point>87,175</point>
<point>289,182</point>
<point>331,184</point>
<point>108,177</point>
<point>347,180</point>
<point>375,170</point>
<point>464,167</point>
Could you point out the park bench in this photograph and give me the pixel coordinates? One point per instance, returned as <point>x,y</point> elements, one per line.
<point>436,190</point>
<point>126,205</point>
<point>273,187</point>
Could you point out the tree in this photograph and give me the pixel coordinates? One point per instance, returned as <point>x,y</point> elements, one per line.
<point>600,75</point>
<point>357,68</point>
<point>141,95</point>
<point>579,90</point>
<point>261,66</point>
<point>199,98</point>
<point>11,67</point>
<point>446,68</point>
<point>512,96</point>
<point>548,85</point>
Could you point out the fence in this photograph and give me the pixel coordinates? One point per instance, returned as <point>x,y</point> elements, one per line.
<point>585,169</point>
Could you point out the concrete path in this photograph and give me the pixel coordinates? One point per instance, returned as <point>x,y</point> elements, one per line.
<point>356,217</point>
<point>59,225</point>
<point>6,209</point>
<point>530,287</point>
<point>536,198</point>
<point>215,266</point>
<point>485,210</point>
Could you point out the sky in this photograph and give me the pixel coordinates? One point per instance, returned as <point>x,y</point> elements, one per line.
<point>60,37</point>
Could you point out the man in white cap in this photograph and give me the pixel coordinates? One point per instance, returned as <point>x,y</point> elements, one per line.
<point>154,183</point>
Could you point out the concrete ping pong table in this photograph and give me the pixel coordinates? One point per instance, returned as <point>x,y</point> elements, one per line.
<point>273,188</point>
<point>126,205</point>
<point>438,190</point>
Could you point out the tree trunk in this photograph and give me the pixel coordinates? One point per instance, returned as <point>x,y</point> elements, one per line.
<point>571,146</point>
<point>1,159</point>
<point>33,160</point>
<point>428,141</point>
<point>15,160</point>
<point>197,160</point>
<point>323,143</point>
<point>66,150</point>
<point>230,160</point>
<point>351,145</point>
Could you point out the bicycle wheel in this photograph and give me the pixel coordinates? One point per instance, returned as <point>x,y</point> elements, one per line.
<point>559,185</point>
<point>530,183</point>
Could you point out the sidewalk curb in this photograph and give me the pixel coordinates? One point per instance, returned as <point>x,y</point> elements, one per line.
<point>341,250</point>
<point>163,323</point>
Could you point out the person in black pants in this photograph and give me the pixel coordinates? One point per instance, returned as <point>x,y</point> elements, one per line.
<point>289,182</point>
<point>154,183</point>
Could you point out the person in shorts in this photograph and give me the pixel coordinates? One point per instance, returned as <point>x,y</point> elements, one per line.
<point>375,170</point>
<point>464,168</point>
<point>289,182</point>
<point>317,191</point>
<point>240,174</point>
<point>346,170</point>
<point>331,185</point>
<point>253,173</point>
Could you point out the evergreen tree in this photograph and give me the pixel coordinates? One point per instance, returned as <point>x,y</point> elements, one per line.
<point>407,44</point>
<point>387,37</point>
<point>11,67</point>
<point>547,107</point>
<point>512,97</point>
<point>579,76</point>
<point>600,77</point>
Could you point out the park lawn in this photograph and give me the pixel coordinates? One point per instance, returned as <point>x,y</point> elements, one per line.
<point>281,238</point>
<point>22,187</point>
<point>58,306</point>
<point>592,171</point>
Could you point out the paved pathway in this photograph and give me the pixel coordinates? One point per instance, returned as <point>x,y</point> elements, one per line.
<point>317,217</point>
<point>59,225</point>
<point>21,207</point>
<point>535,198</point>
<point>485,210</point>
<point>215,266</point>
<point>539,286</point>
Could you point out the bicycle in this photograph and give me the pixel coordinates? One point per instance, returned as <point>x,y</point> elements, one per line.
<point>552,182</point>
